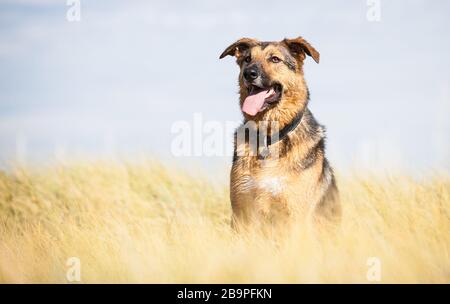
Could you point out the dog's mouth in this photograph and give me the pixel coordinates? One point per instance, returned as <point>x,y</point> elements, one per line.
<point>259,99</point>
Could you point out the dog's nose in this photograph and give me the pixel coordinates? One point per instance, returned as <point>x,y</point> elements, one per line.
<point>251,73</point>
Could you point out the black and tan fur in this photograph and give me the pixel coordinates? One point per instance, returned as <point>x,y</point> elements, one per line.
<point>299,183</point>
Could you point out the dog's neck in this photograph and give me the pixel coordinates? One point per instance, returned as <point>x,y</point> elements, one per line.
<point>275,137</point>
<point>286,117</point>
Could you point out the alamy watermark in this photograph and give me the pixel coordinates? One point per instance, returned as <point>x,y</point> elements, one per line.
<point>373,10</point>
<point>73,273</point>
<point>374,269</point>
<point>74,11</point>
<point>211,138</point>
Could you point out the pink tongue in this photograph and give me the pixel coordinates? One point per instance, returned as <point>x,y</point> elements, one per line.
<point>254,103</point>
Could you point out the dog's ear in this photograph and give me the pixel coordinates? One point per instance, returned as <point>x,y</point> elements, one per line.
<point>299,47</point>
<point>237,48</point>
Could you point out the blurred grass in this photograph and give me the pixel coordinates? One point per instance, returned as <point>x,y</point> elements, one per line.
<point>150,223</point>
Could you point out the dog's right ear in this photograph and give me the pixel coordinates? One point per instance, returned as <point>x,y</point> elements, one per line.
<point>237,48</point>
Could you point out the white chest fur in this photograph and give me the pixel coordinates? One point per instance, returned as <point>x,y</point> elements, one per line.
<point>273,185</point>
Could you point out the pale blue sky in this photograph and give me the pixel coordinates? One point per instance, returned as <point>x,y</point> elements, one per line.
<point>118,80</point>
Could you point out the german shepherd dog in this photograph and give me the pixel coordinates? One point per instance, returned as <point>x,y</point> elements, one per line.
<point>289,177</point>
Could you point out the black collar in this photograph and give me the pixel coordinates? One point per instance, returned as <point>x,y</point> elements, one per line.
<point>270,140</point>
<point>263,151</point>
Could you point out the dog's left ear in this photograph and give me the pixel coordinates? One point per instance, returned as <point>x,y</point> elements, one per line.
<point>237,48</point>
<point>299,47</point>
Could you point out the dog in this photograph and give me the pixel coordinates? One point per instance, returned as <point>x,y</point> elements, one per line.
<point>289,176</point>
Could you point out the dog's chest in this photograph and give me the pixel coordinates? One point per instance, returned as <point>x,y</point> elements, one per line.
<point>264,179</point>
<point>273,185</point>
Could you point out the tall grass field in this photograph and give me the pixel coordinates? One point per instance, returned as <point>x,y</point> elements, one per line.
<point>150,223</point>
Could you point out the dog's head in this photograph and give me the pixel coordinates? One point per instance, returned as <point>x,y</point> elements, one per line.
<point>271,75</point>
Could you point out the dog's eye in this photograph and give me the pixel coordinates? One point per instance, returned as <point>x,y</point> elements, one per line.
<point>275,59</point>
<point>247,59</point>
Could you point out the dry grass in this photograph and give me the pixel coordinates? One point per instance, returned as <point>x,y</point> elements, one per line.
<point>148,223</point>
